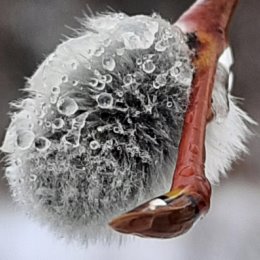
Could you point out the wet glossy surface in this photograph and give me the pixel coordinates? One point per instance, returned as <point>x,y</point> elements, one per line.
<point>179,214</point>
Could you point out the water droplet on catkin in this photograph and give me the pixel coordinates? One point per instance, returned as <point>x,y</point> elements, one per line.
<point>148,66</point>
<point>169,104</point>
<point>161,80</point>
<point>64,78</point>
<point>120,51</point>
<point>161,46</point>
<point>74,65</point>
<point>57,123</point>
<point>56,90</point>
<point>25,139</point>
<point>108,78</point>
<point>105,100</point>
<point>127,79</point>
<point>67,106</point>
<point>93,82</point>
<point>94,145</point>
<point>108,63</point>
<point>42,143</point>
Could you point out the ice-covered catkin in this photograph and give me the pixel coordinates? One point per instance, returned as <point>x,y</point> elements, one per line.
<point>99,130</point>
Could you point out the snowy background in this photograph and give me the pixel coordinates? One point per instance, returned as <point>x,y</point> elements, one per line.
<point>29,30</point>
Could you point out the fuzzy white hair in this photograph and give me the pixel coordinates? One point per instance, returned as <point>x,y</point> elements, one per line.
<point>228,132</point>
<point>100,128</point>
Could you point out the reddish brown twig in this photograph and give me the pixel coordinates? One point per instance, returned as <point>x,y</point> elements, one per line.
<point>210,20</point>
<point>189,197</point>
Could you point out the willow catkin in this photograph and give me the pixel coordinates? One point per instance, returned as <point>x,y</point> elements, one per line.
<point>99,129</point>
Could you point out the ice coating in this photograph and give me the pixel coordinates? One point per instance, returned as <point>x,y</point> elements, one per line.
<point>100,129</point>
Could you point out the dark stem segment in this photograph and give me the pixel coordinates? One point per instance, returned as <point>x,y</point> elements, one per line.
<point>175,212</point>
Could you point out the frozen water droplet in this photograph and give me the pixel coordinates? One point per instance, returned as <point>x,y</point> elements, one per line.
<point>64,79</point>
<point>43,110</point>
<point>99,51</point>
<point>74,65</point>
<point>140,33</point>
<point>101,85</point>
<point>127,80</point>
<point>48,124</point>
<point>54,94</point>
<point>138,76</point>
<point>57,123</point>
<point>93,82</point>
<point>97,73</point>
<point>156,85</point>
<point>116,129</point>
<point>108,78</point>
<point>120,93</point>
<point>161,45</point>
<point>53,99</point>
<point>105,100</point>
<point>39,122</point>
<point>169,104</point>
<point>30,126</point>
<point>71,139</point>
<point>79,122</point>
<point>121,16</point>
<point>108,63</point>
<point>74,134</point>
<point>100,129</point>
<point>103,78</point>
<point>145,57</point>
<point>67,106</point>
<point>94,145</point>
<point>9,143</point>
<point>42,143</point>
<point>148,66</point>
<point>176,69</point>
<point>164,37</point>
<point>161,79</point>
<point>56,90</point>
<point>155,203</point>
<point>138,61</point>
<point>25,139</point>
<point>75,83</point>
<point>120,51</point>
<point>29,104</point>
<point>178,63</point>
<point>33,177</point>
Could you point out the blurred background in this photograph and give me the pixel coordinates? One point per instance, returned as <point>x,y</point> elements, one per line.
<point>29,30</point>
